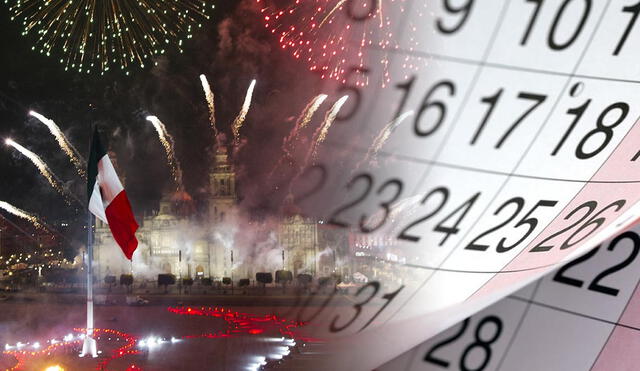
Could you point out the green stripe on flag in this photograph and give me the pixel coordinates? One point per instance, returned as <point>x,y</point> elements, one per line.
<point>96,153</point>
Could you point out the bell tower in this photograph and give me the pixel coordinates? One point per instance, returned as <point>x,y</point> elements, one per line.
<point>222,183</point>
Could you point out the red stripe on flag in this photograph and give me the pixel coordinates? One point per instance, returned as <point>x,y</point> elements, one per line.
<point>122,223</point>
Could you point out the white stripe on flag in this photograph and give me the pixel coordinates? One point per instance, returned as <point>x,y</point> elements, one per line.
<point>95,204</point>
<point>107,187</point>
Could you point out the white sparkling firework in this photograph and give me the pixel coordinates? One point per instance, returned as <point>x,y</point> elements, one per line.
<point>37,161</point>
<point>20,213</point>
<point>323,130</point>
<point>208,94</point>
<point>288,144</point>
<point>303,121</point>
<point>242,115</point>
<point>63,142</point>
<point>309,110</point>
<point>384,135</point>
<point>167,142</point>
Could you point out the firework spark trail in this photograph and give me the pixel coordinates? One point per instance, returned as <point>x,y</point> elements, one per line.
<point>37,161</point>
<point>303,121</point>
<point>208,94</point>
<point>382,137</point>
<point>63,142</point>
<point>20,213</point>
<point>167,142</point>
<point>336,7</point>
<point>242,115</point>
<point>309,110</point>
<point>318,137</point>
<point>321,133</point>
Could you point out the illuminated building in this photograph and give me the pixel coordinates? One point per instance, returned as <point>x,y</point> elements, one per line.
<point>173,240</point>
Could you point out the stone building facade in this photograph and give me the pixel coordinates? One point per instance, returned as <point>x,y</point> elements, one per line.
<point>172,241</point>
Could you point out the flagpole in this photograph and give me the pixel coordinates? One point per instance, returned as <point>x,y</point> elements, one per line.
<point>101,179</point>
<point>89,345</point>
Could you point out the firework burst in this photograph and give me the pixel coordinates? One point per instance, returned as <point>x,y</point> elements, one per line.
<point>208,94</point>
<point>167,142</point>
<point>98,35</point>
<point>20,213</point>
<point>242,115</point>
<point>333,36</point>
<point>37,161</point>
<point>63,142</point>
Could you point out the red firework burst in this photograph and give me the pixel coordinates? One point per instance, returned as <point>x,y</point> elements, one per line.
<point>333,36</point>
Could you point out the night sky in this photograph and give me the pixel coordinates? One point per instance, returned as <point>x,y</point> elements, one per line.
<point>231,49</point>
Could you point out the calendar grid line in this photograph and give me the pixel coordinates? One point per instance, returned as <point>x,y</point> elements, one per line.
<point>575,313</point>
<point>477,169</point>
<point>426,267</point>
<point>503,66</point>
<point>617,324</point>
<point>520,322</point>
<point>411,359</point>
<point>478,72</point>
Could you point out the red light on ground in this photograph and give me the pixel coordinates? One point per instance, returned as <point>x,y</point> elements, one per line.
<point>256,331</point>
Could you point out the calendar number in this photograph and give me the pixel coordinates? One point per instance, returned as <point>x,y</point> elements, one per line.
<point>492,101</point>
<point>389,192</point>
<point>560,16</point>
<point>372,288</point>
<point>479,344</point>
<point>462,12</point>
<point>590,224</point>
<point>595,285</point>
<point>530,222</point>
<point>616,112</point>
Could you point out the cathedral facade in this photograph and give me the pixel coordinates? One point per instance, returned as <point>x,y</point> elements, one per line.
<point>171,241</point>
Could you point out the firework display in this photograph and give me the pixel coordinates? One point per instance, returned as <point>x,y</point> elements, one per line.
<point>169,147</point>
<point>242,115</point>
<point>37,161</point>
<point>302,122</point>
<point>20,213</point>
<point>98,36</point>
<point>63,142</point>
<point>384,135</point>
<point>323,130</point>
<point>208,94</point>
<point>308,112</point>
<point>334,36</point>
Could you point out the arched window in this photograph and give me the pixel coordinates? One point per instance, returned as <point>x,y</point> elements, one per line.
<point>199,271</point>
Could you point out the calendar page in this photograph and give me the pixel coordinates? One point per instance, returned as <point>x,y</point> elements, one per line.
<point>583,316</point>
<point>482,145</point>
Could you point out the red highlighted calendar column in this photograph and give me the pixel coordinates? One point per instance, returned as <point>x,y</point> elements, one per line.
<point>621,349</point>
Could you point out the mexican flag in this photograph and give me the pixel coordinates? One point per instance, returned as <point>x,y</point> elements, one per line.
<point>108,200</point>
